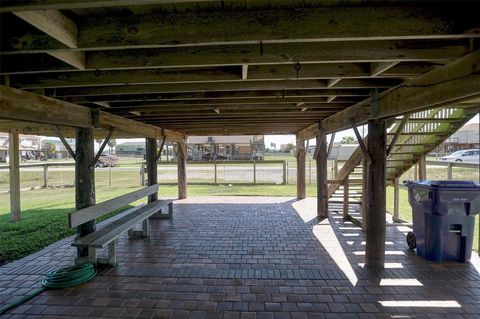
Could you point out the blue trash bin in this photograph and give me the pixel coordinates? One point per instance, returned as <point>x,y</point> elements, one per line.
<point>443,218</point>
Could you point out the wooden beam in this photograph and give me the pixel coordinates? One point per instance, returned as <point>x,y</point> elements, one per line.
<point>249,85</point>
<point>74,58</point>
<point>354,51</point>
<point>244,71</point>
<point>24,106</point>
<point>246,97</point>
<point>59,27</point>
<point>53,23</point>
<point>377,68</point>
<point>221,74</point>
<point>21,5</point>
<point>449,84</point>
<point>285,25</point>
<point>14,171</point>
<point>64,141</point>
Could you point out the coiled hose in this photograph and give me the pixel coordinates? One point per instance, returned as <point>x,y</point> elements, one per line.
<point>61,278</point>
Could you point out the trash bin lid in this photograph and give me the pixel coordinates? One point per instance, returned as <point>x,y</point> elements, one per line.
<point>448,184</point>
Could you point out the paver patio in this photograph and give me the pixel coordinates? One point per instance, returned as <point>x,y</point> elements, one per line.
<point>250,257</point>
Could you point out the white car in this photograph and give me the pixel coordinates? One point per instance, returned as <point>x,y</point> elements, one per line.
<point>466,156</point>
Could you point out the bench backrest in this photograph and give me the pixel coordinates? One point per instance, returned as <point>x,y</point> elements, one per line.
<point>86,214</point>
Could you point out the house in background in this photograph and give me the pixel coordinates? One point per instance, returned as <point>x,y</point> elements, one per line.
<point>29,146</point>
<point>465,138</point>
<point>130,148</point>
<point>60,151</point>
<point>243,147</point>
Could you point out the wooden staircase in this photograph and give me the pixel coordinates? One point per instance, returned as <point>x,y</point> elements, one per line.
<point>408,139</point>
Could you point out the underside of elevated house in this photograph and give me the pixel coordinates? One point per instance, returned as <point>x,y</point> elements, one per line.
<point>164,70</point>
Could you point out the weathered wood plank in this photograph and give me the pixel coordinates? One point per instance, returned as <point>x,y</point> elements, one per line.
<point>454,82</point>
<point>235,55</point>
<point>285,25</point>
<point>86,214</point>
<point>53,23</point>
<point>225,86</point>
<point>20,105</point>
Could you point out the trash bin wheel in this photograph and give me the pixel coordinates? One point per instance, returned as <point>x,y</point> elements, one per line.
<point>411,240</point>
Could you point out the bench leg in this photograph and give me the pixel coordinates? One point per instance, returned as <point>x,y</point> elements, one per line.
<point>170,209</point>
<point>92,255</point>
<point>112,253</point>
<point>131,232</point>
<point>145,228</point>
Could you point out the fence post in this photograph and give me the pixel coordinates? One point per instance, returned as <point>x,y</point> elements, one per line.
<point>284,177</point>
<point>396,200</point>
<point>346,198</point>
<point>142,173</point>
<point>215,167</point>
<point>286,165</point>
<point>335,167</point>
<point>109,175</point>
<point>254,172</point>
<point>449,171</point>
<point>309,171</point>
<point>45,175</point>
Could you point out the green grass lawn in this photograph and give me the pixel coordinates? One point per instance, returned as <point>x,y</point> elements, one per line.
<point>44,211</point>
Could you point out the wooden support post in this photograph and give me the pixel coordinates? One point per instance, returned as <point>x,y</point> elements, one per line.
<point>346,198</point>
<point>151,158</point>
<point>14,163</point>
<point>322,187</point>
<point>182,170</point>
<point>45,175</point>
<point>215,167</point>
<point>300,154</point>
<point>396,200</point>
<point>364,195</point>
<point>284,180</point>
<point>84,180</point>
<point>142,173</point>
<point>449,171</point>
<point>415,172</point>
<point>376,193</point>
<point>422,168</point>
<point>254,172</point>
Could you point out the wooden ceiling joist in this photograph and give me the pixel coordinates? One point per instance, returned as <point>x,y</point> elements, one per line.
<point>60,28</point>
<point>455,82</point>
<point>237,55</point>
<point>285,25</point>
<point>19,105</point>
<point>234,66</point>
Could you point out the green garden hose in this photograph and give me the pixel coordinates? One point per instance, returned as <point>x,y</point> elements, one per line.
<point>61,278</point>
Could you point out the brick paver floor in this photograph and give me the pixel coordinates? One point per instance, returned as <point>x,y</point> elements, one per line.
<point>250,257</point>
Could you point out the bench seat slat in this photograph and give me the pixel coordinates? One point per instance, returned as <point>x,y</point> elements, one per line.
<point>89,213</point>
<point>107,234</point>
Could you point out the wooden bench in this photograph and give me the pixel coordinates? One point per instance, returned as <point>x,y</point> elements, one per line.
<point>108,234</point>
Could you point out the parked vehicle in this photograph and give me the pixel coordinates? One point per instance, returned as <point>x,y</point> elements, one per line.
<point>107,160</point>
<point>466,156</point>
<point>213,157</point>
